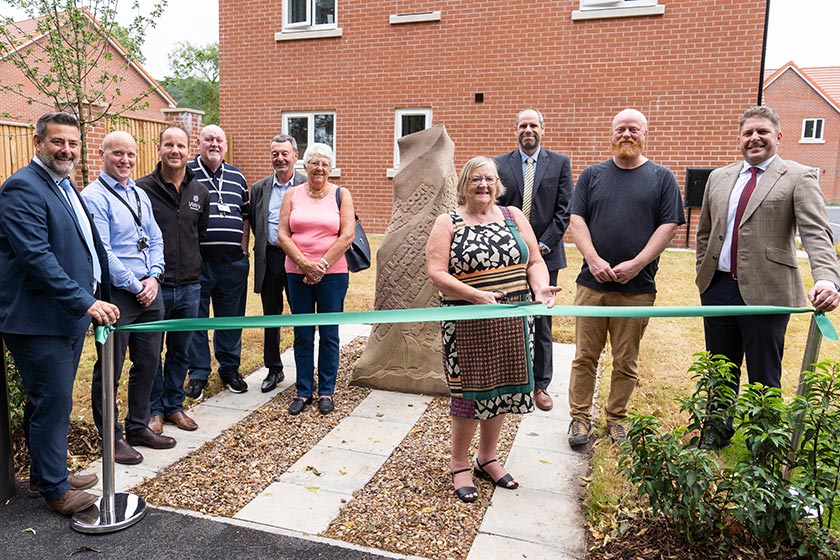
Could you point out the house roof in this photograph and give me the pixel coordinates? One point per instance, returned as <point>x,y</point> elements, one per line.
<point>26,31</point>
<point>825,80</point>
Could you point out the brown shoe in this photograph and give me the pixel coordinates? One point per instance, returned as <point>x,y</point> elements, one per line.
<point>124,454</point>
<point>77,482</point>
<point>543,399</point>
<point>181,420</point>
<point>156,424</point>
<point>72,501</point>
<point>148,438</point>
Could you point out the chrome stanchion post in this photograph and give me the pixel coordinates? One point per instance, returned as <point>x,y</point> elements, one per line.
<point>114,511</point>
<point>809,358</point>
<point>8,486</point>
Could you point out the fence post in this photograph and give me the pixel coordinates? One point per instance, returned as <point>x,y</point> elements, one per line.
<point>8,486</point>
<point>114,511</point>
<point>809,358</point>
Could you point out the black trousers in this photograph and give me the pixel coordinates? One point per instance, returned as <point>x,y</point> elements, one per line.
<point>543,355</point>
<point>144,352</point>
<point>271,293</point>
<point>761,338</point>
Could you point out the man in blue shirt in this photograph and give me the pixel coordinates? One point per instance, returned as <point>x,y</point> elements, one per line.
<point>132,239</point>
<point>224,269</point>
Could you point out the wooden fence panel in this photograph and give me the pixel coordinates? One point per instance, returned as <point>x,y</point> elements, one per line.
<point>16,148</point>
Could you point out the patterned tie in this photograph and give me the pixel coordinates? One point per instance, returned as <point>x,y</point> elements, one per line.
<point>84,225</point>
<point>528,193</point>
<point>739,213</point>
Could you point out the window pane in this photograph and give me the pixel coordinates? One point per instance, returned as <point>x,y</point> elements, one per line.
<point>412,124</point>
<point>297,10</point>
<point>809,129</point>
<point>324,127</point>
<point>299,130</point>
<point>324,11</point>
<point>818,131</point>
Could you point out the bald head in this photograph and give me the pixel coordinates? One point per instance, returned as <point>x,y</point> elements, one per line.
<point>631,115</point>
<point>212,145</point>
<point>119,155</point>
<point>629,133</point>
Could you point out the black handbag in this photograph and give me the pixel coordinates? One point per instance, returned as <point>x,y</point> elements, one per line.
<point>358,255</point>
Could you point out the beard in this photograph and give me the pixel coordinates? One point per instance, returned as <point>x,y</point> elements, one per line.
<point>622,150</point>
<point>60,164</point>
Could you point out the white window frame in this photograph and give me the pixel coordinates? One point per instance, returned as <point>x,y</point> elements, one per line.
<point>813,139</point>
<point>310,139</point>
<point>425,112</point>
<point>598,9</point>
<point>307,24</point>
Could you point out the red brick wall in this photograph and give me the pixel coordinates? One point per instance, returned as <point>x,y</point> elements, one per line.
<point>692,71</point>
<point>795,100</point>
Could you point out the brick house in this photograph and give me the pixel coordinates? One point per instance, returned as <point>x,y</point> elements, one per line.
<point>359,74</point>
<point>144,124</point>
<point>808,103</point>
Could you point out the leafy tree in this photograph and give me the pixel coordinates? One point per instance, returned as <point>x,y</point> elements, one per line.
<point>195,78</point>
<point>68,60</point>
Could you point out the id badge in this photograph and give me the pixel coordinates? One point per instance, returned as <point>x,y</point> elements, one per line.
<point>142,244</point>
<point>223,208</point>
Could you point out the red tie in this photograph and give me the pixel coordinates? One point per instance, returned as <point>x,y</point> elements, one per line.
<point>739,213</point>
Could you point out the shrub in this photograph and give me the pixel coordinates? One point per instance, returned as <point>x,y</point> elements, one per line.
<point>779,494</point>
<point>17,396</point>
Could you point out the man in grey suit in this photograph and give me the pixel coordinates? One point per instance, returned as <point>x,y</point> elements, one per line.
<point>746,252</point>
<point>269,259</point>
<point>540,183</point>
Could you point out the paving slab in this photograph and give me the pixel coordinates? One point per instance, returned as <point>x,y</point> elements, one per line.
<point>546,471</point>
<point>308,510</point>
<point>403,408</point>
<point>337,470</point>
<point>368,435</point>
<point>546,518</point>
<point>486,547</point>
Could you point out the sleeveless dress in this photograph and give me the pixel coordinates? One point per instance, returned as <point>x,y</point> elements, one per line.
<point>488,361</point>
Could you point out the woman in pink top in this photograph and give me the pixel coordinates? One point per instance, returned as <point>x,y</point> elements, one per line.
<point>315,232</point>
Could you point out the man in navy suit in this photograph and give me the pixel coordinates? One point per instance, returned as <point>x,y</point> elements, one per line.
<point>540,183</point>
<point>51,265</point>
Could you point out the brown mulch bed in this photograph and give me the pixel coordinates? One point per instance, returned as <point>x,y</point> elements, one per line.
<point>83,447</point>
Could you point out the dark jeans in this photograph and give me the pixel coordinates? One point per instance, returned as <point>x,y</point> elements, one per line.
<point>47,367</point>
<point>324,297</point>
<point>271,293</point>
<point>180,302</point>
<point>226,284</point>
<point>144,351</point>
<point>544,345</point>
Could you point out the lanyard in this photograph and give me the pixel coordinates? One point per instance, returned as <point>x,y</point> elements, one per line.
<point>217,186</point>
<point>138,216</point>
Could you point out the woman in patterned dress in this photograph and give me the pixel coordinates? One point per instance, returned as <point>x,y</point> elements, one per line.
<point>482,253</point>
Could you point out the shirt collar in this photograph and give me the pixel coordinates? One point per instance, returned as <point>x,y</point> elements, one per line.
<point>535,155</point>
<point>114,183</point>
<point>277,183</point>
<point>53,175</point>
<point>762,166</point>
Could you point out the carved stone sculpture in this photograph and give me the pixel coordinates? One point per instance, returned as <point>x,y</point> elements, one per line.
<point>406,357</point>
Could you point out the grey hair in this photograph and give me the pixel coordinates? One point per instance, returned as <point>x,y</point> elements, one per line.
<point>59,117</point>
<point>467,171</point>
<point>318,149</point>
<point>519,116</point>
<point>280,138</point>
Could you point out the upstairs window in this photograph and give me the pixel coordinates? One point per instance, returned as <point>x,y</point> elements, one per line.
<point>607,4</point>
<point>812,130</point>
<point>304,15</point>
<point>601,9</point>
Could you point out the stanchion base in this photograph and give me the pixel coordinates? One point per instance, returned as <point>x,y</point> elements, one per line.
<point>128,510</point>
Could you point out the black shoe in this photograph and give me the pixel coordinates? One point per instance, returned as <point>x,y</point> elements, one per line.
<point>124,454</point>
<point>234,382</point>
<point>195,388</point>
<point>298,404</point>
<point>271,380</point>
<point>325,404</point>
<point>148,438</point>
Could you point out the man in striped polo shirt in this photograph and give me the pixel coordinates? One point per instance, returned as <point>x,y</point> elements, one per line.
<point>224,270</point>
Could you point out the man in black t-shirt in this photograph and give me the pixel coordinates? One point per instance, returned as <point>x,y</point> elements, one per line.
<point>624,212</point>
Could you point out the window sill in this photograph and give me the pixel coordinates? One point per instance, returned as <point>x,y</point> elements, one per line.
<point>398,19</point>
<point>811,141</point>
<point>311,34</point>
<point>389,173</point>
<point>618,12</point>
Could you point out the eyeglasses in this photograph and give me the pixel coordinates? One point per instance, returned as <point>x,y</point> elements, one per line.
<point>319,164</point>
<point>475,181</point>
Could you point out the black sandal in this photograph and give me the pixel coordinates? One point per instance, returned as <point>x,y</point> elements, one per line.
<point>506,481</point>
<point>464,491</point>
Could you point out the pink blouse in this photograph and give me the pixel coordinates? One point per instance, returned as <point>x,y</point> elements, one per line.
<point>315,225</point>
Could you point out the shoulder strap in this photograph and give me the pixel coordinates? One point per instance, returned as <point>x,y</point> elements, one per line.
<point>511,224</point>
<point>338,197</point>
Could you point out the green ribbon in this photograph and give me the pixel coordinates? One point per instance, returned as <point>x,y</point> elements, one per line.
<point>462,312</point>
